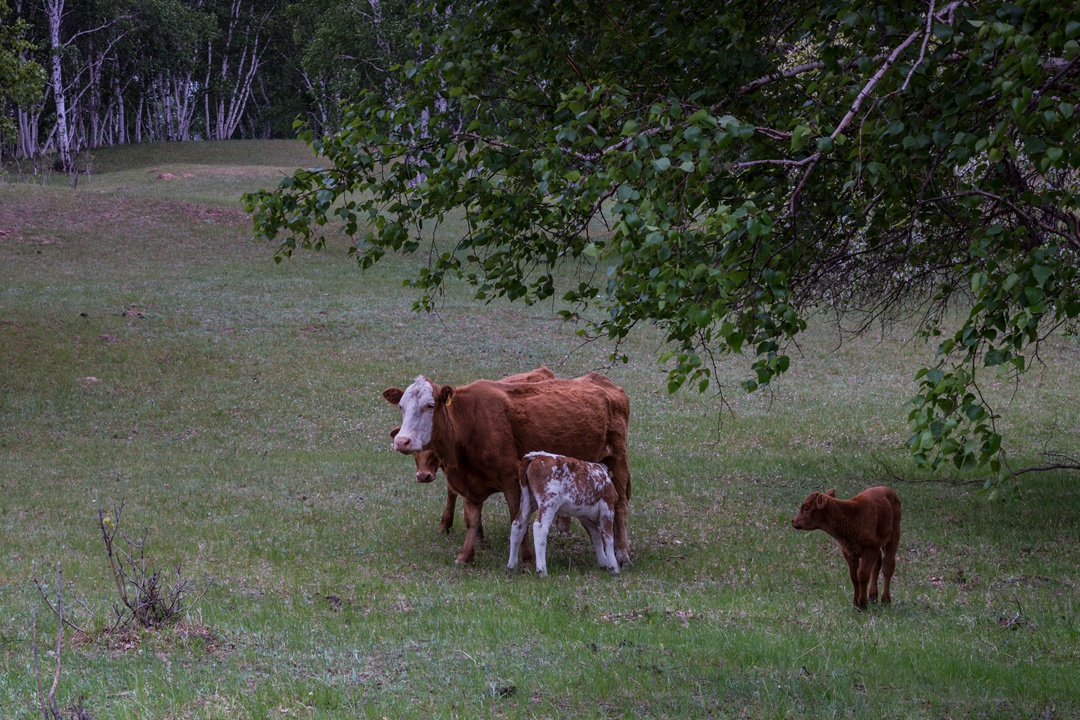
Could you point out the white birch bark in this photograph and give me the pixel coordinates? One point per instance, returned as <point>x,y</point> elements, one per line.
<point>54,11</point>
<point>245,46</point>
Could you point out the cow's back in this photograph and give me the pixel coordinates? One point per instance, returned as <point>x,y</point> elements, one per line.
<point>567,417</point>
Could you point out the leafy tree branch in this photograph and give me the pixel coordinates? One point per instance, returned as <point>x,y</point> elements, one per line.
<point>726,172</point>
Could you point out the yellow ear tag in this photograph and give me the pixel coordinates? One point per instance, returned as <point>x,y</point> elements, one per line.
<point>449,400</point>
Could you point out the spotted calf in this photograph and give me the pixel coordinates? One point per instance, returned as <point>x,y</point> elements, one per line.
<point>556,485</point>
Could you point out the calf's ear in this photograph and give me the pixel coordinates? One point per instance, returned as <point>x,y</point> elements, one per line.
<point>821,500</point>
<point>446,394</point>
<point>831,492</point>
<point>393,395</point>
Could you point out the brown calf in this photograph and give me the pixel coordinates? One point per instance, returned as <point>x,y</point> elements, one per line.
<point>427,465</point>
<point>867,528</point>
<point>559,486</point>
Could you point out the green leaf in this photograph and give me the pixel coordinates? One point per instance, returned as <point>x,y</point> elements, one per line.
<point>1042,273</point>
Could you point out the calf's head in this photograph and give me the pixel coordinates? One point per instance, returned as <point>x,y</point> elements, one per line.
<point>812,511</point>
<point>427,462</point>
<point>418,404</point>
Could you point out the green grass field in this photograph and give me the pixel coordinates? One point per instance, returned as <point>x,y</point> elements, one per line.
<point>151,352</point>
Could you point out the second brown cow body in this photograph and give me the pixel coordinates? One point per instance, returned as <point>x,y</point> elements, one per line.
<point>867,529</point>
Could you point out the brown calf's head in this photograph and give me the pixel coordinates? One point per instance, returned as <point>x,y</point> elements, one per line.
<point>810,514</point>
<point>427,462</point>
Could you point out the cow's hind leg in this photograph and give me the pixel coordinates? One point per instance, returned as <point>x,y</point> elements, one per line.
<point>620,476</point>
<point>876,569</point>
<point>888,565</point>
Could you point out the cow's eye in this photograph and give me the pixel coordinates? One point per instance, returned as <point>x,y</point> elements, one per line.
<point>429,406</point>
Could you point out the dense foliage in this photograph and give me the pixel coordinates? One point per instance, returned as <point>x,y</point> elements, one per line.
<point>21,79</point>
<point>730,169</point>
<point>130,71</point>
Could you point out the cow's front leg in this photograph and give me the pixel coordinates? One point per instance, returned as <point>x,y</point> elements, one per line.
<point>852,560</point>
<point>472,530</point>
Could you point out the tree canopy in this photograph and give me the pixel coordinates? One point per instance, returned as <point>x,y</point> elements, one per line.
<point>21,79</point>
<point>730,169</point>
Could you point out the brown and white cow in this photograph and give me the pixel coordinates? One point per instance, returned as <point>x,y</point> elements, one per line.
<point>558,486</point>
<point>867,529</point>
<point>428,462</point>
<point>480,432</point>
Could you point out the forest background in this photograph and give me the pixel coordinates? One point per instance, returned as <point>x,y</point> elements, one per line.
<point>114,72</point>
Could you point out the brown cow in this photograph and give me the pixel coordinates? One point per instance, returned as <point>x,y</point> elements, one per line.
<point>867,528</point>
<point>480,431</point>
<point>428,463</point>
<point>557,486</point>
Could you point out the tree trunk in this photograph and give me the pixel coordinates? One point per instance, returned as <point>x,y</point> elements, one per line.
<point>54,10</point>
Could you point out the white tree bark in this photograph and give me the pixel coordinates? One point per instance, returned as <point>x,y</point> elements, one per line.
<point>54,11</point>
<point>245,45</point>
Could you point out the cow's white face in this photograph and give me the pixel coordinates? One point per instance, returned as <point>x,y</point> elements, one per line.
<point>417,410</point>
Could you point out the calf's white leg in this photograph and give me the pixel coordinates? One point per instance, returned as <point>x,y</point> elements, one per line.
<point>520,526</point>
<point>545,516</point>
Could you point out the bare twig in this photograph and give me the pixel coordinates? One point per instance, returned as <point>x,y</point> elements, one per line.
<point>49,709</point>
<point>58,612</point>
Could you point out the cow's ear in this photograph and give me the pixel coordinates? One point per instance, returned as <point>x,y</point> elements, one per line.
<point>446,394</point>
<point>831,492</point>
<point>395,431</point>
<point>821,500</point>
<point>393,395</point>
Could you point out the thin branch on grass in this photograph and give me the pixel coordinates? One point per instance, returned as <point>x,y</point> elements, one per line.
<point>56,610</point>
<point>49,709</point>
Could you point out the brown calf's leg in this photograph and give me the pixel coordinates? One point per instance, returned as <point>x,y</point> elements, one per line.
<point>472,526</point>
<point>874,575</point>
<point>447,521</point>
<point>859,598</point>
<point>888,565</point>
<point>865,575</point>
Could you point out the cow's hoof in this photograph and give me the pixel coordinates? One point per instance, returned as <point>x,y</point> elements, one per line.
<point>624,559</point>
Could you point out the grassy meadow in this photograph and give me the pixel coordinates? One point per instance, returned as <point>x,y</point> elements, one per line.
<point>152,353</point>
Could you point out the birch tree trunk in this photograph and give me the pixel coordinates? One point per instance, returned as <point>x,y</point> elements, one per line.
<point>245,46</point>
<point>54,11</point>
